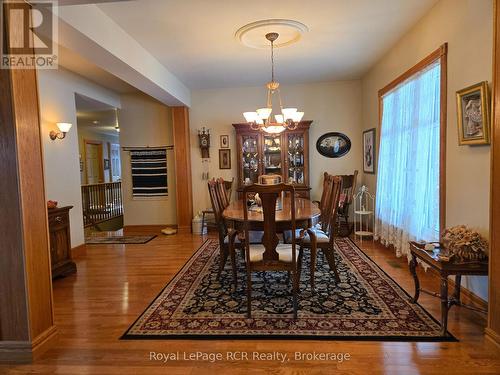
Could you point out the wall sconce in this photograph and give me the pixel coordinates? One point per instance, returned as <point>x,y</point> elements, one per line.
<point>63,129</point>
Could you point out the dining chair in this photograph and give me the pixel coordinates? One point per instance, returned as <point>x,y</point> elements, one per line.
<point>271,255</point>
<point>346,197</point>
<point>224,233</point>
<point>228,189</point>
<point>314,238</point>
<point>323,205</point>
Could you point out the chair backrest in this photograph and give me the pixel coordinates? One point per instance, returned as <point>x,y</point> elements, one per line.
<point>222,193</point>
<point>229,188</point>
<point>270,179</point>
<point>326,200</point>
<point>349,187</point>
<point>269,194</point>
<point>217,206</point>
<point>333,207</point>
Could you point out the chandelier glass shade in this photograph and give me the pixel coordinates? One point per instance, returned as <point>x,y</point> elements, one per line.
<point>262,118</point>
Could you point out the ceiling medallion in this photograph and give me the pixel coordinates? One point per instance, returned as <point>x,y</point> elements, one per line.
<point>261,119</point>
<point>290,32</point>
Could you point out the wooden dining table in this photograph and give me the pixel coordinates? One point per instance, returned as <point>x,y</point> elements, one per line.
<point>306,215</point>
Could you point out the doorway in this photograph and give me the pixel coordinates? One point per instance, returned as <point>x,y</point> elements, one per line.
<point>100,165</point>
<point>94,162</point>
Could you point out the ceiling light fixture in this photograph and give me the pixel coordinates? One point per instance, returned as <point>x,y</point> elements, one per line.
<point>117,126</point>
<point>261,119</point>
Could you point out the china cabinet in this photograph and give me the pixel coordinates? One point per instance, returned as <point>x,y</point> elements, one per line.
<point>285,154</point>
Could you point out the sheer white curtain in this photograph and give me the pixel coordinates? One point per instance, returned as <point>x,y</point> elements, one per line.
<point>407,200</point>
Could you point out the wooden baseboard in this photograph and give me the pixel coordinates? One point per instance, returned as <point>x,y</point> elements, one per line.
<point>492,336</point>
<point>78,251</point>
<point>470,297</point>
<point>26,351</point>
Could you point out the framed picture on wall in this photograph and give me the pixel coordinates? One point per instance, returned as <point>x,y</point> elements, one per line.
<point>369,151</point>
<point>473,115</point>
<point>225,159</point>
<point>106,164</point>
<point>333,145</point>
<point>224,141</point>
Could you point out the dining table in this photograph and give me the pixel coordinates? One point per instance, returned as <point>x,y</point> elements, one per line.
<point>307,215</point>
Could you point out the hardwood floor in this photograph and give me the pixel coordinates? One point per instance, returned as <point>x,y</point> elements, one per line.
<point>115,283</point>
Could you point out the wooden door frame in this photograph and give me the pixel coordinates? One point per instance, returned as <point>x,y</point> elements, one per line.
<point>493,329</point>
<point>101,158</point>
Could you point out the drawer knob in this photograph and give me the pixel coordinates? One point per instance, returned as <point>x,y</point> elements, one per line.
<point>58,219</point>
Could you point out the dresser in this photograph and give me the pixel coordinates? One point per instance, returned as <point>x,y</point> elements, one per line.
<point>60,242</point>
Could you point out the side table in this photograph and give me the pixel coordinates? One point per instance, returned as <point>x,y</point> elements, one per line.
<point>444,269</point>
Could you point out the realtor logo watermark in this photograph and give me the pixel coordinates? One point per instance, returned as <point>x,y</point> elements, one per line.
<point>31,39</point>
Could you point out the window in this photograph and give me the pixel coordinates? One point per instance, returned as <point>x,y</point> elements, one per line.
<point>410,176</point>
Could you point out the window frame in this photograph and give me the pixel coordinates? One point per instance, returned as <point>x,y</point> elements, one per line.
<point>440,54</point>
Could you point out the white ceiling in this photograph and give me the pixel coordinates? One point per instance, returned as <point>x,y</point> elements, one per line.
<point>95,116</point>
<point>74,62</point>
<point>194,39</point>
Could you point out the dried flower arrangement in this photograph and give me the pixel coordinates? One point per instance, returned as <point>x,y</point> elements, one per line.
<point>464,244</point>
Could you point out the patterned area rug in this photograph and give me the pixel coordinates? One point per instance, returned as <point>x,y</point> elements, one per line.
<point>366,305</point>
<point>103,240</point>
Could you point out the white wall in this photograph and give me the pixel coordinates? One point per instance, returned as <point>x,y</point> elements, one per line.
<point>57,90</point>
<point>146,122</point>
<point>332,107</point>
<point>467,26</point>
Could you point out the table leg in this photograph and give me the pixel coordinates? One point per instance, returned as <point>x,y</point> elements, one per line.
<point>413,270</point>
<point>456,292</point>
<point>444,304</point>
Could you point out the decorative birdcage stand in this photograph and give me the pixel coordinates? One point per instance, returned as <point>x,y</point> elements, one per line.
<point>364,214</point>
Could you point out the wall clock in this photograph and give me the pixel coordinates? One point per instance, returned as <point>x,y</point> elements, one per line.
<point>333,145</point>
<point>204,141</point>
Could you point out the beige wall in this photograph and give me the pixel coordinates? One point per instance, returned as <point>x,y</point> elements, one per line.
<point>57,90</point>
<point>332,107</point>
<point>467,27</point>
<point>84,133</point>
<point>146,122</point>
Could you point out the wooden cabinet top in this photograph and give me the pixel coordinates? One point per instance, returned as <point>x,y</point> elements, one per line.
<point>58,210</point>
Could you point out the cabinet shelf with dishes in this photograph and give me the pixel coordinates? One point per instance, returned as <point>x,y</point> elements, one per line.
<point>285,154</point>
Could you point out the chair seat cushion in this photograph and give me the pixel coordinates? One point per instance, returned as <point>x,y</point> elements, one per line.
<point>320,236</point>
<point>284,253</point>
<point>255,237</point>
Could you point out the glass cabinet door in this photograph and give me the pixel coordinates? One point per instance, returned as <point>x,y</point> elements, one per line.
<point>272,160</point>
<point>295,172</point>
<point>250,158</point>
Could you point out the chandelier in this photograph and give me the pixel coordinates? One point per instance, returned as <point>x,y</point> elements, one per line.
<point>261,119</point>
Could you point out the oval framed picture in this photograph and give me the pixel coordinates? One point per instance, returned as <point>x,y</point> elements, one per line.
<point>333,145</point>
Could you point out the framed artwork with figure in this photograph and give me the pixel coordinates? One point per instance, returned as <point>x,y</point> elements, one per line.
<point>224,141</point>
<point>473,115</point>
<point>369,151</point>
<point>225,159</point>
